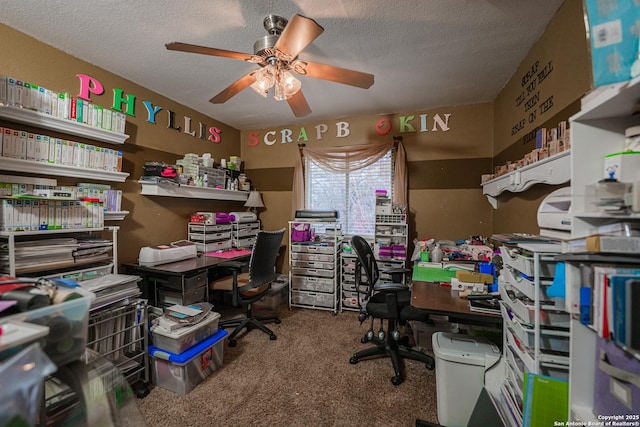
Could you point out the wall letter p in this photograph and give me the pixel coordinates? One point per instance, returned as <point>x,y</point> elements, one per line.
<point>89,85</point>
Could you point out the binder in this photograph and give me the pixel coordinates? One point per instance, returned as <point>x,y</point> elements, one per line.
<point>545,400</point>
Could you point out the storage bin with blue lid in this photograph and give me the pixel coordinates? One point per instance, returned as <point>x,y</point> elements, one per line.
<point>182,372</point>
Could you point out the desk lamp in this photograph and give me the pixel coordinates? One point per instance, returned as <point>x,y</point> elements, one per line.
<point>254,202</point>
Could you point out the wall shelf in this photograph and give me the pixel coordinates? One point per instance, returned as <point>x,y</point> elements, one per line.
<point>115,216</point>
<point>47,121</point>
<point>166,189</point>
<point>41,168</point>
<point>553,170</point>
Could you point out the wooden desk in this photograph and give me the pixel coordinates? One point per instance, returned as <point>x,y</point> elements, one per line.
<point>181,282</point>
<point>443,301</point>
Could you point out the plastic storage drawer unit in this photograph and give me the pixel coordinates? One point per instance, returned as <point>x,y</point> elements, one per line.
<point>182,372</point>
<point>461,362</point>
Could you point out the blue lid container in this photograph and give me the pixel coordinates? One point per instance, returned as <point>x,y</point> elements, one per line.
<point>184,357</point>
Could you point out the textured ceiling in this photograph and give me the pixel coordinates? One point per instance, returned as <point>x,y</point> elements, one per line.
<point>423,53</point>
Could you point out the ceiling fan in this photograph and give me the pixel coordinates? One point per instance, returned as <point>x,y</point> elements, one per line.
<point>277,56</point>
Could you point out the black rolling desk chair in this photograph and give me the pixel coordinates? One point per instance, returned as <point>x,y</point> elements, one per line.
<point>247,288</point>
<point>383,301</point>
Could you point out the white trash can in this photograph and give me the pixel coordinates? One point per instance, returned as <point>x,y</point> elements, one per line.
<point>461,361</point>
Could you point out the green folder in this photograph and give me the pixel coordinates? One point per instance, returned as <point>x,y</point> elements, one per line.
<point>546,399</point>
<point>432,274</point>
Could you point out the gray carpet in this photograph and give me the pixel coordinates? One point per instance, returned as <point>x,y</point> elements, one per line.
<point>304,378</point>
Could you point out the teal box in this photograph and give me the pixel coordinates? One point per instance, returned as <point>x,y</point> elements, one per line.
<point>613,37</point>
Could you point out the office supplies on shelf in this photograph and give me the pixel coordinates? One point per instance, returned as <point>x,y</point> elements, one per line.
<point>175,251</point>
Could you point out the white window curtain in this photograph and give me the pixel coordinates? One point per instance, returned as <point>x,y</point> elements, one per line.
<point>354,157</point>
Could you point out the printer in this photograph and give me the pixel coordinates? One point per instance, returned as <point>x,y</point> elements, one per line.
<point>554,217</point>
<point>163,254</point>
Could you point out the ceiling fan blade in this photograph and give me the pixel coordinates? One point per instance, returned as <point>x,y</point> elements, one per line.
<point>235,88</point>
<point>298,34</point>
<point>338,75</point>
<point>298,104</point>
<point>185,47</point>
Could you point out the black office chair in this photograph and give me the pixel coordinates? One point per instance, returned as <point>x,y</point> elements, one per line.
<point>247,287</point>
<point>383,301</point>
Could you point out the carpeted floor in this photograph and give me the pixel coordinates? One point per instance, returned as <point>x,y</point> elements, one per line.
<point>303,378</point>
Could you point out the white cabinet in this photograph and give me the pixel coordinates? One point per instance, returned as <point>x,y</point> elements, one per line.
<point>314,269</point>
<point>536,330</point>
<point>597,130</point>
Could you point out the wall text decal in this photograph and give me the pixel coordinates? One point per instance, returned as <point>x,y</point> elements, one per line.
<point>406,124</point>
<point>90,85</point>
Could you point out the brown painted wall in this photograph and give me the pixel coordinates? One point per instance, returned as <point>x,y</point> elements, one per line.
<point>152,220</point>
<point>544,90</point>
<point>445,196</point>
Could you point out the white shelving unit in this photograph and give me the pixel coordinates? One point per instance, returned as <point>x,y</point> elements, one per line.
<point>167,189</point>
<point>553,170</point>
<point>105,263</point>
<point>391,236</point>
<point>536,332</point>
<point>597,130</point>
<point>38,267</point>
<point>314,270</point>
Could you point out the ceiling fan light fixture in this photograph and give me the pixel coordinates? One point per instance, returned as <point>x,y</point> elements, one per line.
<point>265,79</point>
<point>290,85</point>
<point>286,86</point>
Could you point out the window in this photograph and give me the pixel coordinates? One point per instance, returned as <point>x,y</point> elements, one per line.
<point>352,194</point>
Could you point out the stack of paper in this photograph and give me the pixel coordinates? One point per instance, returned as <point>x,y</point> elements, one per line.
<point>111,288</point>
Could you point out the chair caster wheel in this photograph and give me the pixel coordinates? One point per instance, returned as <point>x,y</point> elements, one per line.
<point>381,335</point>
<point>396,380</point>
<point>273,337</point>
<point>277,321</point>
<point>430,366</point>
<point>232,343</point>
<point>364,340</point>
<point>353,360</point>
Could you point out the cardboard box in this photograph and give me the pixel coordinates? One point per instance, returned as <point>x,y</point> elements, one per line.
<point>597,243</point>
<point>475,277</point>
